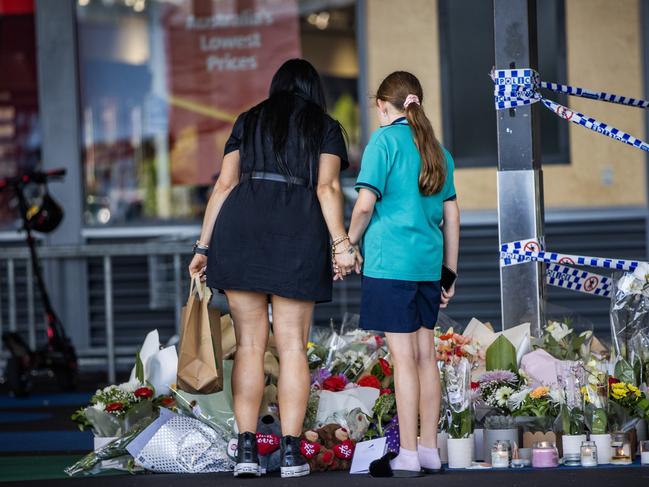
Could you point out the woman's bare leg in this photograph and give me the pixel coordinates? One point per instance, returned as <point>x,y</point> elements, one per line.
<point>291,321</point>
<point>250,314</point>
<point>429,388</point>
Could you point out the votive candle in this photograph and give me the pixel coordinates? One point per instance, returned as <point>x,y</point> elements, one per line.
<point>588,454</point>
<point>545,455</point>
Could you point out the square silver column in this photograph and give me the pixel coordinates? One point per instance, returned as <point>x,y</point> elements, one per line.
<point>520,179</point>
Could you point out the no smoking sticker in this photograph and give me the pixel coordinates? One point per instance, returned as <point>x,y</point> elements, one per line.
<point>591,283</point>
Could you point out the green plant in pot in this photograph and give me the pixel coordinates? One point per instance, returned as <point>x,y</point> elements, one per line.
<point>495,389</point>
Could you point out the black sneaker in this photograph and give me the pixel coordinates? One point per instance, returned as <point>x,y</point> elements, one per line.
<point>247,458</point>
<point>292,462</point>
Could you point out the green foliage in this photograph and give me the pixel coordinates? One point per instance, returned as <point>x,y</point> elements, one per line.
<point>461,424</point>
<point>139,368</point>
<point>79,417</point>
<point>596,419</point>
<point>384,410</point>
<point>624,372</point>
<point>571,421</point>
<point>501,355</point>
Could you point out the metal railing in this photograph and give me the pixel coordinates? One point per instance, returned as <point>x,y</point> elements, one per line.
<point>106,252</point>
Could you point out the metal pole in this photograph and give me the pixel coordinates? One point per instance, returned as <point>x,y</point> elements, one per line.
<point>177,295</point>
<point>520,181</point>
<point>645,44</point>
<point>31,321</point>
<point>11,285</point>
<point>110,330</point>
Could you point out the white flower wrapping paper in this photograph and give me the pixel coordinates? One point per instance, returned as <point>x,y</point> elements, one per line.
<point>332,403</point>
<point>630,313</point>
<point>160,364</point>
<point>180,444</point>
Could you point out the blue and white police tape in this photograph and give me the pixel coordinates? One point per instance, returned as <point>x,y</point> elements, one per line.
<point>561,275</point>
<point>578,280</point>
<point>530,251</point>
<point>520,87</point>
<point>595,95</point>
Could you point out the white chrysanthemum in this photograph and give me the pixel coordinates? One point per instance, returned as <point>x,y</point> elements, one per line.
<point>517,398</point>
<point>502,395</point>
<point>99,406</point>
<point>109,389</point>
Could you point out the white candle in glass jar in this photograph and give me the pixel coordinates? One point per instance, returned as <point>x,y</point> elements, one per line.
<point>588,454</point>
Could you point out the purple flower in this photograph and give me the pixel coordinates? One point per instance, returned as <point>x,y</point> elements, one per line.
<point>496,376</point>
<point>318,377</point>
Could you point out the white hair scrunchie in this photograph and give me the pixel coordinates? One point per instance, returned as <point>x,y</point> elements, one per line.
<point>411,99</point>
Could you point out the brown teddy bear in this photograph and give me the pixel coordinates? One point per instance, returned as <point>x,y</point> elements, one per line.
<point>328,448</point>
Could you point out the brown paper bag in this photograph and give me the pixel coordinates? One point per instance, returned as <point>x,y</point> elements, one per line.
<point>200,359</point>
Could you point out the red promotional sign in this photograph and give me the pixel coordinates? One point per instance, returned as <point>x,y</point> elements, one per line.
<point>16,7</point>
<point>221,57</point>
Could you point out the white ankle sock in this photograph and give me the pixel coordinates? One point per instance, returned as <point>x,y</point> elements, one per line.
<point>406,460</point>
<point>429,457</point>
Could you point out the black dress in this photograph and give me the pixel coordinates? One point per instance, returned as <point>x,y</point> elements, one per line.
<point>270,236</point>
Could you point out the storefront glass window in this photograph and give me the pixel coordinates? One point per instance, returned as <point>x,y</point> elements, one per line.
<point>163,80</point>
<point>20,141</point>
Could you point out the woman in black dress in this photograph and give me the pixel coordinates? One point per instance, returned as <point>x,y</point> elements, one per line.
<point>266,234</point>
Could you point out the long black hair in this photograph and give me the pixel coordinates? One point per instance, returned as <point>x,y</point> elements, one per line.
<point>296,79</point>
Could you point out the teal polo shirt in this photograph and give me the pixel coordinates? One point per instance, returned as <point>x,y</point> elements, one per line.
<point>403,240</point>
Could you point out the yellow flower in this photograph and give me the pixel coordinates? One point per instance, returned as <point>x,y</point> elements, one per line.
<point>310,345</point>
<point>539,392</point>
<point>633,389</point>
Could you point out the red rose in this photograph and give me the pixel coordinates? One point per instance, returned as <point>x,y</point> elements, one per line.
<point>385,367</point>
<point>475,385</point>
<point>114,406</point>
<point>334,383</point>
<point>379,341</point>
<point>369,381</point>
<point>612,380</point>
<point>387,390</point>
<point>168,401</point>
<point>145,392</point>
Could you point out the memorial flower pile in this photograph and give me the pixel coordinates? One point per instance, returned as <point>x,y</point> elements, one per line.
<point>451,346</point>
<point>114,408</point>
<point>561,341</point>
<point>495,389</point>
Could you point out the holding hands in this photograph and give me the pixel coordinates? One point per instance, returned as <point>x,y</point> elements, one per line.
<point>346,258</point>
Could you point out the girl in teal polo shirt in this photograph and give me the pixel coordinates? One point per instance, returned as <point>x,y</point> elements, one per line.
<point>408,219</point>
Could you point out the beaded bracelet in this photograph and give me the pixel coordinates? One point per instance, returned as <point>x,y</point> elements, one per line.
<point>339,240</point>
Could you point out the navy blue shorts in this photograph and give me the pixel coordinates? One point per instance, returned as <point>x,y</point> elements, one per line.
<point>395,306</point>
